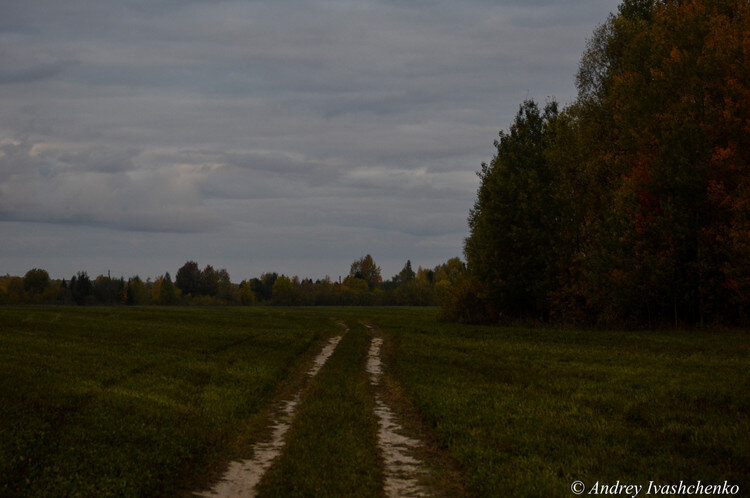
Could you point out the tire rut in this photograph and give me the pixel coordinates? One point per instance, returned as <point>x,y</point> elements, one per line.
<point>404,471</point>
<point>242,477</point>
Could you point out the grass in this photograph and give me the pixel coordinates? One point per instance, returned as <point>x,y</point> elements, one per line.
<point>332,446</point>
<point>148,401</point>
<point>123,401</point>
<point>528,411</point>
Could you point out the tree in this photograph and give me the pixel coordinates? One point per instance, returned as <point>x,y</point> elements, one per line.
<point>225,289</point>
<point>209,281</point>
<point>246,295</point>
<point>513,225</point>
<point>135,292</point>
<point>284,293</point>
<point>366,269</point>
<point>106,289</point>
<point>80,287</point>
<point>35,281</point>
<point>267,281</point>
<point>188,278</point>
<point>164,291</point>
<point>663,95</point>
<point>354,291</point>
<point>14,290</point>
<point>405,275</point>
<point>452,270</point>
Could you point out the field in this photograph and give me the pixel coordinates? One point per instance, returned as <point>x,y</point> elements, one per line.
<point>157,401</point>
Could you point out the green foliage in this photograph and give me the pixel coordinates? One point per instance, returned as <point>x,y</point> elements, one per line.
<point>267,280</point>
<point>633,205</point>
<point>163,291</point>
<point>136,401</point>
<point>405,275</point>
<point>246,295</point>
<point>35,281</point>
<point>332,447</point>
<point>209,287</point>
<point>209,282</point>
<point>366,269</point>
<point>14,291</point>
<point>515,221</point>
<point>526,412</point>
<point>135,292</point>
<point>464,302</point>
<point>80,288</point>
<point>284,292</point>
<point>107,290</point>
<point>188,278</point>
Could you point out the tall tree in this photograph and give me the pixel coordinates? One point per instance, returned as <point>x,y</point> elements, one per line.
<point>188,278</point>
<point>209,281</point>
<point>35,281</point>
<point>366,269</point>
<point>80,287</point>
<point>513,227</point>
<point>669,94</point>
<point>406,274</point>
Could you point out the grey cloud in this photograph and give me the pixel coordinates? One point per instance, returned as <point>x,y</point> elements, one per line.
<point>81,185</point>
<point>11,75</point>
<point>301,133</point>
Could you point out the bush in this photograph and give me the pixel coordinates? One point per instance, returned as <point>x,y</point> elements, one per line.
<point>465,303</point>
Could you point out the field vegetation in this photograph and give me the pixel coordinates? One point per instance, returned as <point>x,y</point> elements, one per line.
<point>527,411</point>
<point>332,449</point>
<point>130,401</point>
<point>134,401</point>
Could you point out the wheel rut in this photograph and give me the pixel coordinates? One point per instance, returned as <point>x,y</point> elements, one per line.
<point>404,471</point>
<point>242,477</point>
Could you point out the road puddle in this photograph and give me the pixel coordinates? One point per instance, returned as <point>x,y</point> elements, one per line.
<point>242,477</point>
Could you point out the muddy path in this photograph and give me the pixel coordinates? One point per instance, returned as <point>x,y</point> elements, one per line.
<point>405,473</point>
<point>242,477</point>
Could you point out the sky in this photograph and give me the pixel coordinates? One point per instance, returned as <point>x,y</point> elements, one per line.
<point>291,135</point>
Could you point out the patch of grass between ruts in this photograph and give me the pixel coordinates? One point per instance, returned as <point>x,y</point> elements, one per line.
<point>332,444</point>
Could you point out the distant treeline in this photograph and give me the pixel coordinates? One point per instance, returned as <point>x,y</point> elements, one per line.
<point>208,286</point>
<point>632,205</point>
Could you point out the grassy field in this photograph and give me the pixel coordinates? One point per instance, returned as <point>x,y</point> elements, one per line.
<point>149,401</point>
<point>528,411</point>
<point>127,401</point>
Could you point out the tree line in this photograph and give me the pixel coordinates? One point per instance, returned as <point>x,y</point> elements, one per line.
<point>195,286</point>
<point>632,204</point>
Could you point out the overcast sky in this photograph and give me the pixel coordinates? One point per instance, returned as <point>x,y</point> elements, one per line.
<point>291,136</point>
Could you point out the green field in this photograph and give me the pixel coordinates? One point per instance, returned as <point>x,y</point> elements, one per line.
<point>156,401</point>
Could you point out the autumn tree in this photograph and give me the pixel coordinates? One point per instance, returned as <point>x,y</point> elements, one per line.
<point>284,293</point>
<point>666,84</point>
<point>246,295</point>
<point>633,204</point>
<point>366,269</point>
<point>163,291</point>
<point>405,275</point>
<point>135,292</point>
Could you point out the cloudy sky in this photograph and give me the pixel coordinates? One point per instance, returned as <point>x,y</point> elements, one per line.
<point>290,135</point>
